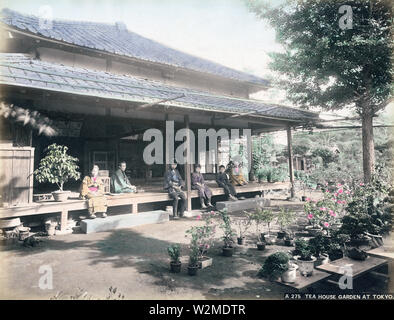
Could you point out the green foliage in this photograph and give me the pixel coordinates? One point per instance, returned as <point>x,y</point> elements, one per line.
<point>366,213</point>
<point>174,251</point>
<point>327,155</point>
<point>319,245</point>
<point>57,166</point>
<point>303,249</point>
<point>228,232</point>
<point>244,223</point>
<point>202,237</point>
<point>285,218</point>
<point>326,66</point>
<point>274,265</point>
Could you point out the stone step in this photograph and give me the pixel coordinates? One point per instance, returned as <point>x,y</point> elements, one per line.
<point>123,221</point>
<point>234,206</point>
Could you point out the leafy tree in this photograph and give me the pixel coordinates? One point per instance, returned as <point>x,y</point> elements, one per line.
<point>333,62</point>
<point>57,166</point>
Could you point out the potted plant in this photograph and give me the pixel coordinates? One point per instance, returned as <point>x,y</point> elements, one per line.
<point>194,253</point>
<point>57,167</point>
<point>365,215</point>
<point>304,258</point>
<point>228,234</point>
<point>278,265</point>
<point>289,239</point>
<point>174,251</point>
<point>203,236</point>
<point>319,246</point>
<point>267,217</point>
<point>243,225</point>
<point>284,218</point>
<point>257,217</point>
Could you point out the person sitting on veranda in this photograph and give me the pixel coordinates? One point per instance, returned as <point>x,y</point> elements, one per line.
<point>120,183</point>
<point>223,181</point>
<point>198,183</point>
<point>92,188</point>
<point>173,183</point>
<point>234,169</point>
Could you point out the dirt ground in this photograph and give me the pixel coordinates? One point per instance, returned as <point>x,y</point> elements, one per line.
<point>134,261</point>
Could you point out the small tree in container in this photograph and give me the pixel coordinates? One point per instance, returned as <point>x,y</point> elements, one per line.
<point>174,251</point>
<point>57,167</point>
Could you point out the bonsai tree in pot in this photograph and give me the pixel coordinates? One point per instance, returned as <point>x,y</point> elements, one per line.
<point>243,225</point>
<point>174,251</point>
<point>194,254</point>
<point>204,237</point>
<point>228,234</point>
<point>57,167</point>
<point>267,217</point>
<point>278,265</point>
<point>304,257</point>
<point>284,219</point>
<point>257,217</point>
<point>320,245</point>
<point>365,217</point>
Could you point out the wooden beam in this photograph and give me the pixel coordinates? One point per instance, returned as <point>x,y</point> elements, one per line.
<point>188,166</point>
<point>290,152</point>
<point>160,101</point>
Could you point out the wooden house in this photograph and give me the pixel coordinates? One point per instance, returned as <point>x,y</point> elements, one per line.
<point>100,86</point>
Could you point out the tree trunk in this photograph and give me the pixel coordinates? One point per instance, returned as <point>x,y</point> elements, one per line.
<point>368,146</point>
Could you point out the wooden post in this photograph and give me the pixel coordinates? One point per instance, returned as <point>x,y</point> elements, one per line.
<point>63,219</point>
<point>290,151</point>
<point>188,166</point>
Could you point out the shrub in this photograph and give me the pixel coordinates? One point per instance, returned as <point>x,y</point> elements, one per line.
<point>274,265</point>
<point>303,249</point>
<point>174,251</point>
<point>57,166</point>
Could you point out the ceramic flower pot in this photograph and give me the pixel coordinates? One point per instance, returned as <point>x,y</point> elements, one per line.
<point>228,251</point>
<point>240,240</point>
<point>61,196</point>
<point>289,242</point>
<point>176,267</point>
<point>281,234</point>
<point>192,270</point>
<point>260,246</point>
<point>290,275</point>
<point>270,239</point>
<point>205,262</point>
<point>305,266</point>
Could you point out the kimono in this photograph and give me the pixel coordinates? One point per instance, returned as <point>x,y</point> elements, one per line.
<point>223,181</point>
<point>173,183</point>
<point>92,189</point>
<point>120,183</point>
<point>236,177</point>
<point>203,190</point>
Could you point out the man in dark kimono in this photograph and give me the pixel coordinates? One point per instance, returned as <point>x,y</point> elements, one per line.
<point>223,181</point>
<point>198,183</point>
<point>173,183</point>
<point>119,181</point>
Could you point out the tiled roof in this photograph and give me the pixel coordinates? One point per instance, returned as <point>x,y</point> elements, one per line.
<point>22,70</point>
<point>116,39</point>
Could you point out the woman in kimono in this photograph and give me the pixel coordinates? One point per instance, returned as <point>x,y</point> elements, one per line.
<point>235,173</point>
<point>92,189</point>
<point>198,183</point>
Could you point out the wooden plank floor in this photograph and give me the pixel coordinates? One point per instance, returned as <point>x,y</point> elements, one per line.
<point>152,193</point>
